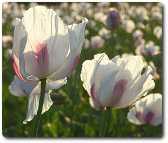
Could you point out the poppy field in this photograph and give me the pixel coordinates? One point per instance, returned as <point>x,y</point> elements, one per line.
<point>99,77</point>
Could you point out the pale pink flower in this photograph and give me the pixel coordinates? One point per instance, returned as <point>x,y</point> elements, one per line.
<point>96,42</point>
<point>128,25</point>
<point>151,49</point>
<point>158,32</point>
<point>115,83</point>
<point>6,40</point>
<point>137,35</point>
<point>148,49</point>
<point>104,33</point>
<point>44,47</point>
<point>147,110</point>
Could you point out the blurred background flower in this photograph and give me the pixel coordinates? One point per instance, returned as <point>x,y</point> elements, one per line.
<point>147,110</point>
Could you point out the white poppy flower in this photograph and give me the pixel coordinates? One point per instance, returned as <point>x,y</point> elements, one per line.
<point>96,42</point>
<point>147,110</point>
<point>104,32</point>
<point>158,32</point>
<point>148,49</point>
<point>128,25</point>
<point>20,88</point>
<point>151,49</point>
<point>44,47</point>
<point>137,34</point>
<point>116,83</point>
<point>6,40</point>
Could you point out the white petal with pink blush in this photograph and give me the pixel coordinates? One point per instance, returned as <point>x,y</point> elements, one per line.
<point>32,90</point>
<point>147,110</point>
<point>44,47</point>
<point>115,83</point>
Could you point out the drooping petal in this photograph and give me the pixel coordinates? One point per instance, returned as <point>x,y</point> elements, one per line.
<point>33,103</point>
<point>20,88</point>
<point>76,37</point>
<point>16,89</point>
<point>34,97</point>
<point>53,85</point>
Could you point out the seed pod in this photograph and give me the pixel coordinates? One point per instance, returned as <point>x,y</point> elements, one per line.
<point>58,98</point>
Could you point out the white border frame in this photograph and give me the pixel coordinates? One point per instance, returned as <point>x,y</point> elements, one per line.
<point>164,138</point>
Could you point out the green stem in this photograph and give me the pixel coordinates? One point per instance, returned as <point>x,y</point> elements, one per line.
<point>38,116</point>
<point>103,124</point>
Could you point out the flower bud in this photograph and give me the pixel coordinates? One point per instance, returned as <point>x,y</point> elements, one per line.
<point>113,18</point>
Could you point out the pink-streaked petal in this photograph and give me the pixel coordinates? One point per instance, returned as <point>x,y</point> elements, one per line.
<point>147,110</point>
<point>93,92</point>
<point>149,117</point>
<point>16,69</point>
<point>19,44</point>
<point>44,26</point>
<point>67,68</point>
<point>118,91</point>
<point>140,88</point>
<point>37,62</point>
<point>135,116</point>
<point>19,36</point>
<point>76,37</point>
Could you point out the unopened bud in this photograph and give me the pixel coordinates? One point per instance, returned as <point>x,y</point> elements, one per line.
<point>113,18</point>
